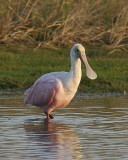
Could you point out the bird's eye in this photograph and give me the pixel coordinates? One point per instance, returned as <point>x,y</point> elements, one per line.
<point>77,50</point>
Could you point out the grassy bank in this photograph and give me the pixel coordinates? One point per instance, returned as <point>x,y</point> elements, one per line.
<point>19,68</point>
<point>58,23</point>
<point>46,23</point>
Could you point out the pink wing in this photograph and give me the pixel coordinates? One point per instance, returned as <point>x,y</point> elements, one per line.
<point>41,93</point>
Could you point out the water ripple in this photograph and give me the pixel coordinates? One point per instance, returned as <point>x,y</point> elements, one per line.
<point>93,129</point>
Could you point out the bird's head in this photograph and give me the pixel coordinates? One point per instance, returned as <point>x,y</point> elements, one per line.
<point>78,52</point>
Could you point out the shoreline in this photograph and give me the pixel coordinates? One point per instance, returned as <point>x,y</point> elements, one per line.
<point>78,94</point>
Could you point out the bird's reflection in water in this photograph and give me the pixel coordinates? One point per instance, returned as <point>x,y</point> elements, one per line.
<point>53,140</point>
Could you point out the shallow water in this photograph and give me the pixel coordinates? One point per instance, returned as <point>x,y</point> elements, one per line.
<point>92,129</point>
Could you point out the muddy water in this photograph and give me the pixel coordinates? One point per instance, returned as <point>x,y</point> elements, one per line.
<point>92,129</point>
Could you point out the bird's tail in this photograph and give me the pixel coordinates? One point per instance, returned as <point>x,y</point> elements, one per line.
<point>26,93</point>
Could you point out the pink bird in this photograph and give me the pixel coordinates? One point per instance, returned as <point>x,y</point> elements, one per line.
<point>57,89</point>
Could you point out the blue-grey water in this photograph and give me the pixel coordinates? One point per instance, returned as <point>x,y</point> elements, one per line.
<point>93,128</point>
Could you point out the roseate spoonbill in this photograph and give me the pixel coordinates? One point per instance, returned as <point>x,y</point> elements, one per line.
<point>56,89</point>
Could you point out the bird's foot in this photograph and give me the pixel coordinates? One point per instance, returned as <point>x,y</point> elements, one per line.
<point>49,116</point>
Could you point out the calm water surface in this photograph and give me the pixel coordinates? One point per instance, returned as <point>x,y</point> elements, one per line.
<point>90,129</point>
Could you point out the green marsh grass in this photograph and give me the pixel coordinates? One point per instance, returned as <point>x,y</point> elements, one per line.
<point>33,26</point>
<point>19,68</point>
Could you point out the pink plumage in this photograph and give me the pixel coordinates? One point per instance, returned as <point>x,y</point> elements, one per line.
<point>57,89</point>
<point>41,93</point>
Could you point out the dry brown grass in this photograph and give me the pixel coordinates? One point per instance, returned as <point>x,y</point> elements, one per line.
<point>46,23</point>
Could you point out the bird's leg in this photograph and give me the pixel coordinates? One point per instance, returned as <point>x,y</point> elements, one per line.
<point>49,116</point>
<point>47,111</point>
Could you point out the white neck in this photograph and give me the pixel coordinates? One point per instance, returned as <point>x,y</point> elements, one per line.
<point>76,68</point>
<point>75,73</point>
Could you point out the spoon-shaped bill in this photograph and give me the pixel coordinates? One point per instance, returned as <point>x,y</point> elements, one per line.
<point>89,71</point>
